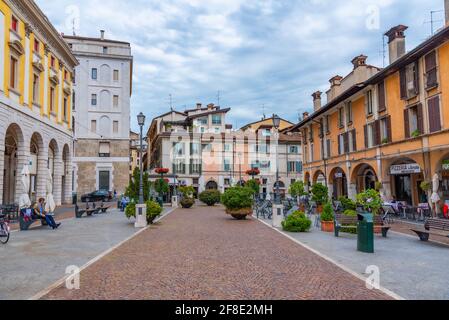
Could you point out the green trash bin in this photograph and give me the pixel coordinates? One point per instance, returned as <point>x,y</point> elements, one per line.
<point>365,233</point>
<point>74,198</point>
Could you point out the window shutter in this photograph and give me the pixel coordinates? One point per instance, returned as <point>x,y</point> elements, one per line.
<point>346,141</point>
<point>416,78</point>
<point>403,84</point>
<point>434,114</point>
<point>406,124</point>
<point>420,118</point>
<point>365,128</point>
<point>431,70</point>
<point>381,96</point>
<point>377,135</point>
<point>328,143</point>
<point>354,140</point>
<point>339,144</point>
<point>388,122</point>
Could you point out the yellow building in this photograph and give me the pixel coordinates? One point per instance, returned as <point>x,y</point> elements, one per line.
<point>266,123</point>
<point>389,125</point>
<point>35,103</point>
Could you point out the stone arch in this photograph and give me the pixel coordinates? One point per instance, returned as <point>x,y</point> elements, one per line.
<point>319,177</point>
<point>364,177</point>
<point>338,182</point>
<point>105,126</point>
<point>105,74</point>
<point>38,164</point>
<point>212,185</point>
<point>14,159</point>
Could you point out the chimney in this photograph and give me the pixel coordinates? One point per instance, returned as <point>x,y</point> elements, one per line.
<point>359,61</point>
<point>305,115</point>
<point>210,106</point>
<point>446,10</point>
<point>199,106</point>
<point>396,42</point>
<point>335,88</point>
<point>102,34</point>
<point>317,100</point>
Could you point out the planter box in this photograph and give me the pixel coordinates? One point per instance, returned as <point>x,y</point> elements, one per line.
<point>240,214</point>
<point>327,226</point>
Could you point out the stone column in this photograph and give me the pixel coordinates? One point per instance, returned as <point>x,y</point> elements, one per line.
<point>22,159</point>
<point>352,191</point>
<point>42,174</point>
<point>2,167</point>
<point>68,181</point>
<point>57,179</point>
<point>330,191</point>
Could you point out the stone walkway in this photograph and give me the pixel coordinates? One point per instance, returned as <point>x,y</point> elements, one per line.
<point>35,259</point>
<point>203,254</point>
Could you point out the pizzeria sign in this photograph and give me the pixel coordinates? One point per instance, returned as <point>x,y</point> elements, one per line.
<point>408,168</point>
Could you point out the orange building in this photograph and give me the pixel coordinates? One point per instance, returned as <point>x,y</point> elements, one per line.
<point>386,125</point>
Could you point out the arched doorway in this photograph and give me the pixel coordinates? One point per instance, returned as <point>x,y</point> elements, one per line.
<point>339,183</point>
<point>364,177</point>
<point>211,185</point>
<point>13,143</point>
<point>319,177</point>
<point>282,189</point>
<point>52,153</point>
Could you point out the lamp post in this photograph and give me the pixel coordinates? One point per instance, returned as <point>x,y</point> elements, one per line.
<point>278,208</point>
<point>240,169</point>
<point>141,219</point>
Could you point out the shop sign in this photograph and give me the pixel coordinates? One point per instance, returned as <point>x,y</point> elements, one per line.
<point>338,175</point>
<point>408,168</point>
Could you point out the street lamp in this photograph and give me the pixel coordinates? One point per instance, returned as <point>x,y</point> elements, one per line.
<point>277,124</point>
<point>240,169</point>
<point>141,219</point>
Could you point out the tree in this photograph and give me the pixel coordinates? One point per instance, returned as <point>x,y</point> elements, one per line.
<point>297,189</point>
<point>132,191</point>
<point>254,185</point>
<point>161,186</point>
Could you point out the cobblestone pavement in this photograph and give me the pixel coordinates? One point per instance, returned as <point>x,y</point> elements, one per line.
<point>203,254</point>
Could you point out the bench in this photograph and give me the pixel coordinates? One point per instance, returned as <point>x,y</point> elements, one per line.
<point>101,207</point>
<point>433,226</point>
<point>88,210</point>
<point>350,222</point>
<point>26,222</point>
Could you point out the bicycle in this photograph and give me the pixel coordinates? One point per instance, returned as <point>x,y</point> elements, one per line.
<point>4,230</point>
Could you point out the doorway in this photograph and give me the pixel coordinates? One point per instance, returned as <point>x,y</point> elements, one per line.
<point>104,181</point>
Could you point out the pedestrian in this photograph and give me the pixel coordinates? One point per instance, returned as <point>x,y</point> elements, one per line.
<point>39,210</point>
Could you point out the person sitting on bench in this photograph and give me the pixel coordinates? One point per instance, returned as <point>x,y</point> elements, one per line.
<point>40,211</point>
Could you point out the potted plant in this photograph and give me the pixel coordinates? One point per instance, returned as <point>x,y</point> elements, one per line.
<point>238,202</point>
<point>296,222</point>
<point>327,218</point>
<point>371,201</point>
<point>187,200</point>
<point>253,185</point>
<point>210,197</point>
<point>297,190</point>
<point>320,195</point>
<point>153,210</point>
<point>416,133</point>
<point>347,204</point>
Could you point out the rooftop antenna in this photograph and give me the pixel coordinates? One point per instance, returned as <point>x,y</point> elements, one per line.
<point>218,98</point>
<point>384,51</point>
<point>171,101</point>
<point>433,21</point>
<point>73,27</point>
<point>263,112</point>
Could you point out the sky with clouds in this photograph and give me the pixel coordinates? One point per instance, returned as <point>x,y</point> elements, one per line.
<point>261,55</point>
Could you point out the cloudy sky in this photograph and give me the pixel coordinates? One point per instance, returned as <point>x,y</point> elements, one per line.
<point>260,55</point>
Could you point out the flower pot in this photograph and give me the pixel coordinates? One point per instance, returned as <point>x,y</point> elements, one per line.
<point>377,229</point>
<point>319,209</point>
<point>187,203</point>
<point>240,214</point>
<point>327,226</point>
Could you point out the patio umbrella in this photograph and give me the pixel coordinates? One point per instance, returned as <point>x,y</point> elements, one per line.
<point>435,187</point>
<point>50,204</point>
<point>24,200</point>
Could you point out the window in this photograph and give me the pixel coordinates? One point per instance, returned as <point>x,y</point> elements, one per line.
<point>35,88</point>
<point>94,100</point>
<point>266,133</point>
<point>352,137</point>
<point>312,155</point>
<point>227,182</point>
<point>115,101</point>
<point>179,166</point>
<point>306,153</point>
<point>15,24</point>
<point>116,74</point>
<point>52,100</point>
<point>293,149</point>
<point>433,105</point>
<point>115,127</point>
<point>381,96</point>
<point>327,150</point>
<point>105,50</point>
<point>326,124</point>
<point>311,133</point>
<point>195,149</point>
<point>105,151</point>
<point>73,100</point>
<point>294,167</point>
<point>341,143</point>
<point>227,147</point>
<point>195,168</point>
<point>14,73</point>
<point>226,165</point>
<point>431,70</point>
<point>178,149</point>
<point>413,121</point>
<point>216,119</point>
<point>93,126</point>
<point>36,45</point>
<point>52,61</point>
<point>203,121</point>
<point>94,74</point>
<point>66,74</point>
<point>65,110</point>
<point>340,118</point>
<point>349,112</point>
<point>409,81</point>
<point>369,102</point>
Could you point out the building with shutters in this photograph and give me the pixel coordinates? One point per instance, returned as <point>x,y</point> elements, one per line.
<point>389,125</point>
<point>102,94</point>
<point>36,68</point>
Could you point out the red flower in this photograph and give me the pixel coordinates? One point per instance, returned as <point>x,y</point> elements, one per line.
<point>253,172</point>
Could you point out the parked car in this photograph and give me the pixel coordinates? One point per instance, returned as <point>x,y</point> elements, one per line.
<point>96,196</point>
